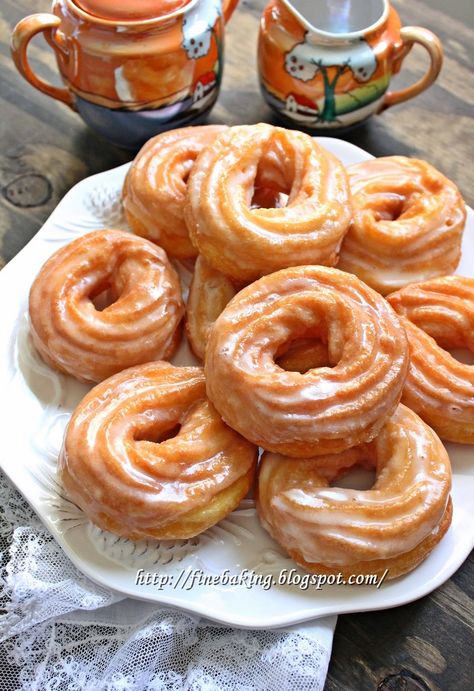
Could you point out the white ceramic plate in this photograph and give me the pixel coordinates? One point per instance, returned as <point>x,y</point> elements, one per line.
<point>37,402</point>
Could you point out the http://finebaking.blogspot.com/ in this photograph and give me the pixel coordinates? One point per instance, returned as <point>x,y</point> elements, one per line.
<point>187,579</point>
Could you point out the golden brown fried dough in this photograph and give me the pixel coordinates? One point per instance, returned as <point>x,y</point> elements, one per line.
<point>120,467</point>
<point>327,409</point>
<point>141,323</point>
<point>407,226</point>
<point>394,525</point>
<point>439,314</point>
<point>250,166</point>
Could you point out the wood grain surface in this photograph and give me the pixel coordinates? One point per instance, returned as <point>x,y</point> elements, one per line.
<point>45,149</point>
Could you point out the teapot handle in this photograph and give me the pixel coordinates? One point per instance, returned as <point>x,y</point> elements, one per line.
<point>432,44</point>
<point>228,7</point>
<point>22,34</point>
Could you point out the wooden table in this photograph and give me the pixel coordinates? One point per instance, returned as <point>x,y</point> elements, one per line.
<point>45,149</point>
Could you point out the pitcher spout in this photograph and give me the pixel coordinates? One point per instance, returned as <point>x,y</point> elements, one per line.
<point>338,19</point>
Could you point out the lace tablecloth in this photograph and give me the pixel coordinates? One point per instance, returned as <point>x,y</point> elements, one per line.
<point>59,631</point>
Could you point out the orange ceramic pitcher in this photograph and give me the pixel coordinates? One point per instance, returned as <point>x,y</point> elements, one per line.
<point>132,68</point>
<point>328,63</point>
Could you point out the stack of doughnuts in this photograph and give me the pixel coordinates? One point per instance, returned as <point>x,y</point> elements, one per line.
<point>302,353</point>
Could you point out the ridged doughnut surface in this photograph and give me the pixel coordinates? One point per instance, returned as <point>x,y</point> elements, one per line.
<point>394,525</point>
<point>439,314</point>
<point>155,187</point>
<point>327,409</point>
<point>119,464</point>
<point>407,226</point>
<point>249,167</point>
<point>209,293</point>
<point>140,324</point>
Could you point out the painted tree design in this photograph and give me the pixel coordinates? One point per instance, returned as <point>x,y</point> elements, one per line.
<point>328,112</point>
<point>306,60</point>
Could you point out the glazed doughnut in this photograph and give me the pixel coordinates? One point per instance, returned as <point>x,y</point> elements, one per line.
<point>121,465</point>
<point>249,165</point>
<point>407,226</point>
<point>140,324</point>
<point>154,191</point>
<point>328,409</point>
<point>209,293</point>
<point>394,525</point>
<point>439,314</point>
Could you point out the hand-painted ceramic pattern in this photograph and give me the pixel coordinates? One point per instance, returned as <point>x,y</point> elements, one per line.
<point>132,78</point>
<point>322,70</point>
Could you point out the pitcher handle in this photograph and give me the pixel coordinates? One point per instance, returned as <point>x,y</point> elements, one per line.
<point>22,34</point>
<point>228,7</point>
<point>411,35</point>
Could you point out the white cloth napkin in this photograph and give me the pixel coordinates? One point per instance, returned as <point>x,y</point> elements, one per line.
<point>59,631</point>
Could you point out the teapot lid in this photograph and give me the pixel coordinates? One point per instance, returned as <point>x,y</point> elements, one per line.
<point>130,10</point>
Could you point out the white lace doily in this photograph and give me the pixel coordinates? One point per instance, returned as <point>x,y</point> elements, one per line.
<point>59,631</point>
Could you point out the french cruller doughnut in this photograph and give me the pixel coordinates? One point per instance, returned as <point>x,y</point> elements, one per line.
<point>407,225</point>
<point>437,315</point>
<point>393,525</point>
<point>249,167</point>
<point>141,323</point>
<point>147,455</point>
<point>155,187</point>
<point>328,408</point>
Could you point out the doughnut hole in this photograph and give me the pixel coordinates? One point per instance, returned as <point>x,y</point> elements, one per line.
<point>112,284</point>
<point>268,198</point>
<point>103,296</point>
<point>156,435</point>
<point>390,208</point>
<point>304,337</point>
<point>360,476</point>
<point>302,354</point>
<point>354,469</point>
<point>274,178</point>
<point>303,346</point>
<point>398,202</point>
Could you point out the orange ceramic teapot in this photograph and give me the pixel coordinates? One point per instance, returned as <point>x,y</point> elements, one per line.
<point>132,68</point>
<point>328,64</point>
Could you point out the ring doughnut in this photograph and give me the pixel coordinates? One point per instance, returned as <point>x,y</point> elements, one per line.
<point>141,324</point>
<point>325,410</point>
<point>154,191</point>
<point>251,165</point>
<point>394,525</point>
<point>407,225</point>
<point>120,466</point>
<point>209,293</point>
<point>437,315</point>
